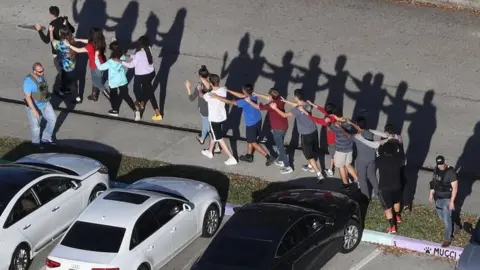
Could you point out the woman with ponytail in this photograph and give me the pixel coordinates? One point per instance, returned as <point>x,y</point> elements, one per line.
<point>142,61</point>
<point>66,60</point>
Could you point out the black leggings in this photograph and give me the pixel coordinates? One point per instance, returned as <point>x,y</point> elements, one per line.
<point>117,95</point>
<point>143,89</point>
<point>68,81</point>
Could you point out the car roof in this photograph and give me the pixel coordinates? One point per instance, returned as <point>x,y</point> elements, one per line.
<point>120,207</point>
<point>263,221</point>
<point>14,177</point>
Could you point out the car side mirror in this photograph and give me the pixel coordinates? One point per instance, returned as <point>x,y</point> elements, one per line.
<point>187,207</point>
<point>75,185</point>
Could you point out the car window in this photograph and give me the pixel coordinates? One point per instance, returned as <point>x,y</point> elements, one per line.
<point>25,205</point>
<point>50,188</point>
<point>166,209</point>
<point>145,226</point>
<point>299,232</point>
<point>94,237</point>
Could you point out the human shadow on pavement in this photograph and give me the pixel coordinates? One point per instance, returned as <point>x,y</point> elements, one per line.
<point>152,24</point>
<point>423,123</point>
<point>397,110</point>
<point>124,26</point>
<point>93,13</point>
<point>336,83</point>
<point>212,177</point>
<point>467,172</point>
<point>331,184</point>
<point>170,50</point>
<point>105,154</point>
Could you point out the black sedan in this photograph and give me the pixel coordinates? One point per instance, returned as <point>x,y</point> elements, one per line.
<point>295,229</point>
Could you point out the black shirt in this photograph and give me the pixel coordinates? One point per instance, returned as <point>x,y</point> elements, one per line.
<point>56,23</point>
<point>389,172</point>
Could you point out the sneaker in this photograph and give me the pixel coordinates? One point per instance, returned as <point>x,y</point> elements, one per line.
<point>78,100</point>
<point>48,142</point>
<point>308,168</point>
<point>407,209</point>
<point>246,158</point>
<point>136,114</point>
<point>270,160</point>
<point>207,153</point>
<point>157,117</point>
<point>392,229</point>
<point>113,113</point>
<point>329,172</point>
<point>319,177</point>
<point>279,163</point>
<point>231,161</point>
<point>106,93</point>
<point>200,141</point>
<point>398,219</point>
<point>217,150</point>
<point>286,170</point>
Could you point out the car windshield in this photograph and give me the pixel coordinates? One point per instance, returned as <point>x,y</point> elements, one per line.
<point>2,207</point>
<point>238,252</point>
<point>94,237</point>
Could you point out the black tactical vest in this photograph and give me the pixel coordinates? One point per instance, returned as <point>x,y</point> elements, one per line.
<point>443,190</point>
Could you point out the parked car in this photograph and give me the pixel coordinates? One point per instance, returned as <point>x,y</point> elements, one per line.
<point>295,229</point>
<point>40,197</point>
<point>140,227</point>
<point>470,258</point>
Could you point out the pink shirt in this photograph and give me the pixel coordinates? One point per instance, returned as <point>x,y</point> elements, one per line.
<point>140,63</point>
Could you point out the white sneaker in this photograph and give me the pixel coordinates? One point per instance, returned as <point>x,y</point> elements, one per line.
<point>231,161</point>
<point>286,170</point>
<point>207,153</point>
<point>329,172</point>
<point>319,176</point>
<point>308,168</point>
<point>137,115</point>
<point>279,163</point>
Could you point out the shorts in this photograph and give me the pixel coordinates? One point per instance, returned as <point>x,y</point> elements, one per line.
<point>389,197</point>
<point>341,159</point>
<point>253,132</point>
<point>216,129</point>
<point>331,150</point>
<point>310,144</point>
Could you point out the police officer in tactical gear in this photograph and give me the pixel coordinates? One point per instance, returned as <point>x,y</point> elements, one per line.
<point>443,190</point>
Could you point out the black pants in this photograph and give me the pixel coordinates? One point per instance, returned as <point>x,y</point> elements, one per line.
<point>68,81</point>
<point>117,95</point>
<point>142,86</point>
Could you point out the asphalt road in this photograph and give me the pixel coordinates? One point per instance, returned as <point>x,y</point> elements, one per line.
<point>424,48</point>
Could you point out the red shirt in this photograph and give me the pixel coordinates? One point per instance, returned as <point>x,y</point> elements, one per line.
<point>91,56</point>
<point>321,121</point>
<point>276,120</point>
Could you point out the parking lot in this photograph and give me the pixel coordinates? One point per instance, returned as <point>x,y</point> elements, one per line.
<point>365,257</point>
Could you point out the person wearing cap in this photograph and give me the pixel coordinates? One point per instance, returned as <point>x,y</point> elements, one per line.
<point>443,191</point>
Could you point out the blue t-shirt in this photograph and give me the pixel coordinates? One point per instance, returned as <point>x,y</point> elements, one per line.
<point>250,114</point>
<point>29,87</point>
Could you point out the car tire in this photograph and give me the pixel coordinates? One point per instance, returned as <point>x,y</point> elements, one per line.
<point>96,191</point>
<point>352,236</point>
<point>21,258</point>
<point>143,266</point>
<point>211,221</point>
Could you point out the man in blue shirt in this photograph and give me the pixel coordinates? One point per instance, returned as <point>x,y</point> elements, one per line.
<point>37,98</point>
<point>253,122</point>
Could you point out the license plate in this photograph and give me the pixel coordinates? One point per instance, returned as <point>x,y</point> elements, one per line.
<point>74,267</point>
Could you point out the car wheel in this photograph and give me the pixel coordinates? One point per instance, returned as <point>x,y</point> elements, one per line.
<point>143,267</point>
<point>352,236</point>
<point>97,191</point>
<point>21,258</point>
<point>211,221</point>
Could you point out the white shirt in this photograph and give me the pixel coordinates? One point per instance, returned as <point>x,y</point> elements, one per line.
<point>216,108</point>
<point>140,63</point>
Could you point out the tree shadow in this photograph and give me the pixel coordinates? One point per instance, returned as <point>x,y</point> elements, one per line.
<point>170,50</point>
<point>125,25</point>
<point>107,155</point>
<point>423,123</point>
<point>397,111</point>
<point>467,171</point>
<point>212,177</point>
<point>331,184</point>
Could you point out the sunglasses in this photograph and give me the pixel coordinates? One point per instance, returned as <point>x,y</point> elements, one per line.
<point>40,71</point>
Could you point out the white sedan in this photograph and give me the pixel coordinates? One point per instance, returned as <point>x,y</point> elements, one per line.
<point>140,227</point>
<point>40,196</point>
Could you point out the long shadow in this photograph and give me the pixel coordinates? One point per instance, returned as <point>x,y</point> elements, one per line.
<point>92,14</point>
<point>398,109</point>
<point>70,105</point>
<point>212,177</point>
<point>171,42</point>
<point>467,171</point>
<point>369,99</point>
<point>423,123</point>
<point>336,83</point>
<point>107,155</point>
<point>125,25</point>
<point>152,25</point>
<point>238,72</point>
<point>311,183</point>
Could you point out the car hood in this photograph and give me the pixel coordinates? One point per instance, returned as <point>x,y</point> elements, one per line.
<point>83,166</point>
<point>470,258</point>
<point>185,188</point>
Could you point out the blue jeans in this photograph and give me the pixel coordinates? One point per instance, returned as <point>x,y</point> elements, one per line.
<point>445,215</point>
<point>97,79</point>
<point>205,127</point>
<point>47,114</point>
<point>279,138</point>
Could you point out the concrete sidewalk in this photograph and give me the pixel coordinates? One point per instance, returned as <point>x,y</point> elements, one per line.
<point>176,147</point>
